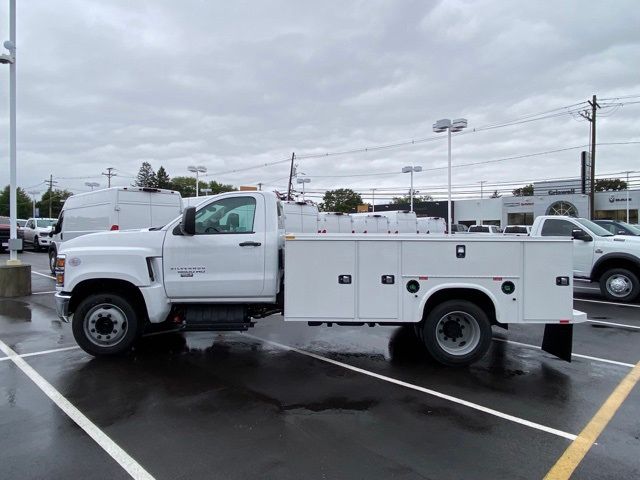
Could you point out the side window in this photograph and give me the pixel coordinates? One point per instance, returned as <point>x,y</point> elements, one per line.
<point>229,215</point>
<point>611,227</point>
<point>558,228</point>
<point>58,227</point>
<point>30,224</point>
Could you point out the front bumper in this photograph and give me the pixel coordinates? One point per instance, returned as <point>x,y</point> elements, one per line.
<point>62,306</point>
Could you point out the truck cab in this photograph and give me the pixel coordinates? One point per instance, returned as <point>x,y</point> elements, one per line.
<point>598,255</point>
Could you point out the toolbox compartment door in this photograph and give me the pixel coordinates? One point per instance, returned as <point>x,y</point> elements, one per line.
<point>378,300</point>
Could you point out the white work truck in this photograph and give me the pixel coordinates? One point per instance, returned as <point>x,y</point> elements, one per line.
<point>598,255</point>
<point>227,262</point>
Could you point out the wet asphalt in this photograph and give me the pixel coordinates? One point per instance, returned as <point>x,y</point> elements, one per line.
<point>231,405</point>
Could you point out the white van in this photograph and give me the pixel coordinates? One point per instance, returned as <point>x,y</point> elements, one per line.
<point>400,221</point>
<point>335,222</point>
<point>370,223</point>
<point>431,225</point>
<point>116,208</point>
<point>300,217</point>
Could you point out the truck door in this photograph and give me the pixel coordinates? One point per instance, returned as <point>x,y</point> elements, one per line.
<point>582,251</point>
<point>226,256</point>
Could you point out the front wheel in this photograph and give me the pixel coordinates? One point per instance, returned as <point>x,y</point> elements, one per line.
<point>619,285</point>
<point>457,333</point>
<point>106,324</point>
<point>36,244</point>
<point>52,260</point>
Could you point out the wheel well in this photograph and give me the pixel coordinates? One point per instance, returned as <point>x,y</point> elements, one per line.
<point>602,267</point>
<point>121,287</point>
<point>477,297</point>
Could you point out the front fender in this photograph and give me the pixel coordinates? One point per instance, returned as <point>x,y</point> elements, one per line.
<point>90,263</point>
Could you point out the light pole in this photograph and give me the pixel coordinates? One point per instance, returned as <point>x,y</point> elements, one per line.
<point>303,180</point>
<point>449,126</point>
<point>373,199</point>
<point>197,170</point>
<point>411,170</point>
<point>13,201</point>
<point>33,193</point>
<point>627,195</point>
<point>91,185</point>
<point>482,182</point>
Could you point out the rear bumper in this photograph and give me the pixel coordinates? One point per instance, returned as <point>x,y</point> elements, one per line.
<point>62,306</point>
<point>579,317</point>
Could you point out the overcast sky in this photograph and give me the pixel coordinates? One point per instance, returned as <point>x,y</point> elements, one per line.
<point>231,85</point>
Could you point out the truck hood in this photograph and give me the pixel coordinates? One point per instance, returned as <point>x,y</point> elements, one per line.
<point>620,242</point>
<point>149,241</point>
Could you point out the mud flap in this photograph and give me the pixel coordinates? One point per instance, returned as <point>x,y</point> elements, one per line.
<point>558,340</point>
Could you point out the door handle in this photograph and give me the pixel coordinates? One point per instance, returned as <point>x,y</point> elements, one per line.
<point>250,244</point>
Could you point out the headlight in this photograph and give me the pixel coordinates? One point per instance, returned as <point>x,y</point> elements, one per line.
<point>60,264</point>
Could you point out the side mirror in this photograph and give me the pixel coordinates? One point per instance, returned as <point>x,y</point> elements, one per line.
<point>578,234</point>
<point>188,224</point>
<point>621,232</point>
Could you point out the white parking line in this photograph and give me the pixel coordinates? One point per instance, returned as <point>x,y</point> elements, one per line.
<point>615,324</point>
<point>43,275</point>
<point>606,303</point>
<point>43,293</point>
<point>428,391</point>
<point>30,253</point>
<point>577,355</point>
<point>116,452</point>
<point>42,352</point>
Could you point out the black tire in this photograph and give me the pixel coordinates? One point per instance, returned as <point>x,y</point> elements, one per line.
<point>36,244</point>
<point>52,260</point>
<point>118,332</point>
<point>468,329</point>
<point>619,285</point>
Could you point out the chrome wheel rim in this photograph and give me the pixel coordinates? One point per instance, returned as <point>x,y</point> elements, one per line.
<point>105,325</point>
<point>619,285</point>
<point>458,333</point>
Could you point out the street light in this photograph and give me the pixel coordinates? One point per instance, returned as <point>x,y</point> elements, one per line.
<point>91,185</point>
<point>303,180</point>
<point>197,170</point>
<point>33,193</point>
<point>449,126</point>
<point>10,59</point>
<point>411,170</point>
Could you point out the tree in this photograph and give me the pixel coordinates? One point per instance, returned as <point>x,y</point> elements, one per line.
<point>25,207</point>
<point>162,178</point>
<point>57,200</point>
<point>217,188</point>
<point>407,199</point>
<point>526,191</point>
<point>341,200</point>
<point>610,185</point>
<point>146,176</point>
<point>185,185</point>
<point>495,194</point>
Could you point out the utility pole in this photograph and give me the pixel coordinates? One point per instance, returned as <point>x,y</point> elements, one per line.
<point>109,174</point>
<point>51,183</point>
<point>591,117</point>
<point>293,156</point>
<point>482,182</point>
<point>259,186</point>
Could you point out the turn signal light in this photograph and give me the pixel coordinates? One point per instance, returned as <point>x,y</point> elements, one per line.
<point>60,262</point>
<point>60,279</point>
<point>114,228</point>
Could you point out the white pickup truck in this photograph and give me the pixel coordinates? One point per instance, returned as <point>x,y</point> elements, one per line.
<point>228,261</point>
<point>598,255</point>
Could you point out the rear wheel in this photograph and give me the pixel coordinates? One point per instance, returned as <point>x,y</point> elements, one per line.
<point>457,333</point>
<point>106,324</point>
<point>619,285</point>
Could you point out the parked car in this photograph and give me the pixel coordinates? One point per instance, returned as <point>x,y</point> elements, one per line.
<point>598,255</point>
<point>4,233</point>
<point>36,232</point>
<point>493,229</point>
<point>517,230</point>
<point>459,228</point>
<point>618,228</point>
<point>116,208</point>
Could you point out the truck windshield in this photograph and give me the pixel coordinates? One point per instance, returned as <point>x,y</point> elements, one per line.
<point>595,228</point>
<point>45,222</point>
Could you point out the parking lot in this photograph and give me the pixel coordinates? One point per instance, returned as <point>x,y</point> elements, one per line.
<point>291,401</point>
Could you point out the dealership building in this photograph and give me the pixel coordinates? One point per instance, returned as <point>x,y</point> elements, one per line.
<point>549,198</point>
